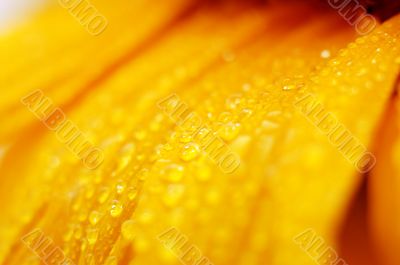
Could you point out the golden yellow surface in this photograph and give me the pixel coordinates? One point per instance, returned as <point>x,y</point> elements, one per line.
<point>241,67</point>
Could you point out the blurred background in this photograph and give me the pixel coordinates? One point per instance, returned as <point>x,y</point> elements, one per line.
<point>13,12</point>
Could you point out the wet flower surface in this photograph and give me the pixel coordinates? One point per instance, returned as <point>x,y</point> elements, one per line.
<point>201,132</point>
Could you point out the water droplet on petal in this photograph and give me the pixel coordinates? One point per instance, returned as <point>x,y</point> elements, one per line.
<point>94,217</point>
<point>174,173</point>
<point>116,208</point>
<point>120,187</point>
<point>229,131</point>
<point>105,192</point>
<point>233,101</point>
<point>186,137</point>
<point>189,152</point>
<point>288,84</point>
<point>288,87</point>
<point>143,174</point>
<point>92,234</point>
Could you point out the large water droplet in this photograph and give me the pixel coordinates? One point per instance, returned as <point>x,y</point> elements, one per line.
<point>120,187</point>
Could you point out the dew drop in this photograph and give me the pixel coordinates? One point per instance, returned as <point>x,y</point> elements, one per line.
<point>143,174</point>
<point>168,147</point>
<point>288,87</point>
<point>189,152</point>
<point>174,173</point>
<point>94,217</point>
<point>116,208</point>
<point>105,192</point>
<point>229,131</point>
<point>285,84</point>
<point>203,134</point>
<point>92,234</point>
<point>132,193</point>
<point>233,101</point>
<point>225,117</point>
<point>246,112</point>
<point>186,137</point>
